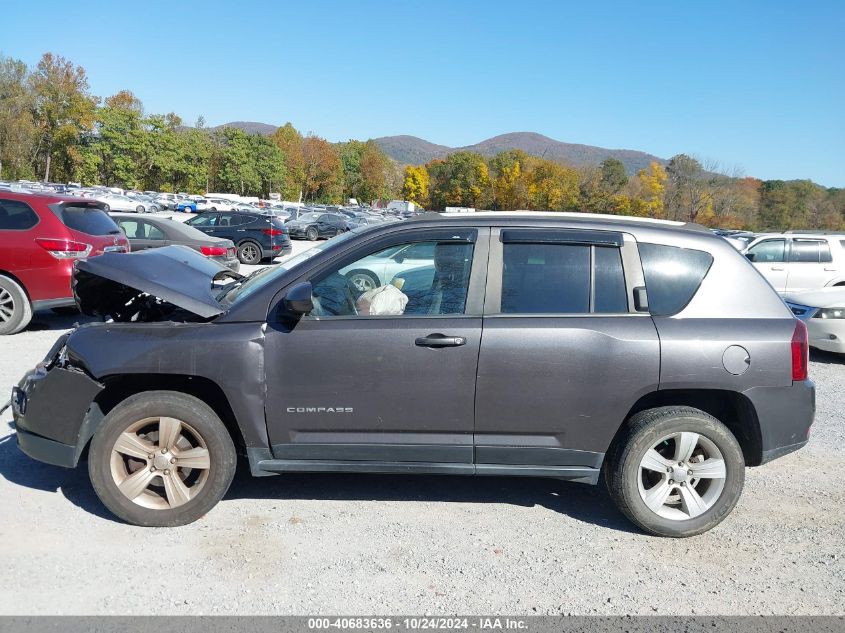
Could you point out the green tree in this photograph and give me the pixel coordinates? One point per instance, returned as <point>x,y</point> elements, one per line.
<point>613,176</point>
<point>17,127</point>
<point>462,179</point>
<point>62,109</point>
<point>289,141</point>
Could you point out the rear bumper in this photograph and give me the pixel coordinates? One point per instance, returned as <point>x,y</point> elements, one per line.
<point>785,415</point>
<point>279,249</point>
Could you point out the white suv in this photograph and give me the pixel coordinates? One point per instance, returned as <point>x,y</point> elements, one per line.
<point>799,261</point>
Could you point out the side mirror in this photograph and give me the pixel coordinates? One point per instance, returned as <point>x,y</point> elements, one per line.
<point>752,257</point>
<point>399,258</point>
<point>640,299</point>
<point>298,299</point>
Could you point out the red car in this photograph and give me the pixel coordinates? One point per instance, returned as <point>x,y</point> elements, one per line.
<point>40,238</point>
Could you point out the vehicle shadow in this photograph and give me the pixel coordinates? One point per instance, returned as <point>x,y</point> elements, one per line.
<point>589,504</point>
<point>72,483</point>
<point>49,320</point>
<point>826,358</point>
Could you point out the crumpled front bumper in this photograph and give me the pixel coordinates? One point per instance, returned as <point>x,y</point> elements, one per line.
<point>53,413</point>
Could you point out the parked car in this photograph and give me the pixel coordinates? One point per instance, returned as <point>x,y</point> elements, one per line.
<point>799,261</point>
<point>823,311</point>
<point>167,201</point>
<point>381,268</point>
<point>41,236</point>
<point>156,232</point>
<point>257,235</point>
<point>313,226</point>
<point>112,202</point>
<point>186,205</point>
<point>649,351</point>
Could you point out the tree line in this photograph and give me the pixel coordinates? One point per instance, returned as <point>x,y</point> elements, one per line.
<point>52,128</point>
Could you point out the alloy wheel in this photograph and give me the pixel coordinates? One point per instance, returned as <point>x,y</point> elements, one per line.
<point>7,306</point>
<point>249,253</point>
<point>682,476</point>
<point>160,463</point>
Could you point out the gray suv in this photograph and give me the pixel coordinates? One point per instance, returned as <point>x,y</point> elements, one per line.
<point>648,353</point>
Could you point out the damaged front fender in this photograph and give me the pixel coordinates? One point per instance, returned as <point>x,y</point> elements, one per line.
<point>55,413</point>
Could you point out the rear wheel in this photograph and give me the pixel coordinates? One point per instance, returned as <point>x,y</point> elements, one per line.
<point>161,458</point>
<point>15,309</point>
<point>676,471</point>
<point>311,234</point>
<point>249,253</point>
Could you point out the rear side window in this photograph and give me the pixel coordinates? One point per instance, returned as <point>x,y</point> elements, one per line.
<point>809,252</point>
<point>16,216</point>
<point>556,278</point>
<point>672,276</point>
<point>88,220</point>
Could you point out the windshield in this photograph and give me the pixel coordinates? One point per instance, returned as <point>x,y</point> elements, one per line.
<point>239,290</point>
<point>310,217</point>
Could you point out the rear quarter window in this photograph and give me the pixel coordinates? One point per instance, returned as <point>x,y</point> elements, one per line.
<point>88,220</point>
<point>16,216</point>
<point>672,276</point>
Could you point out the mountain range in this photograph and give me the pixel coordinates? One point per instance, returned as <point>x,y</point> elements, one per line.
<point>412,150</point>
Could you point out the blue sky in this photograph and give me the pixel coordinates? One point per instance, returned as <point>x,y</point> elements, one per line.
<point>757,86</point>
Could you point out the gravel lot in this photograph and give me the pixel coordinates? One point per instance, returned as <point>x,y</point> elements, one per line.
<point>304,544</point>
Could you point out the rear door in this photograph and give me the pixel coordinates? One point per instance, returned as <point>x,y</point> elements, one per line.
<point>810,264</point>
<point>564,354</point>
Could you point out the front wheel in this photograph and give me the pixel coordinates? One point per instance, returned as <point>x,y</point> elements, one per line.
<point>676,471</point>
<point>311,234</point>
<point>140,209</point>
<point>161,459</point>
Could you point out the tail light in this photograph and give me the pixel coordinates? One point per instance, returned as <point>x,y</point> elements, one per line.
<point>273,232</point>
<point>213,251</point>
<point>64,249</point>
<point>800,352</point>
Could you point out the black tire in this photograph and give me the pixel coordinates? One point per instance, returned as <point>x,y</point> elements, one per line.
<point>249,253</point>
<point>151,404</point>
<point>106,208</point>
<point>213,209</point>
<point>15,308</point>
<point>622,468</point>
<point>311,234</point>
<point>140,209</point>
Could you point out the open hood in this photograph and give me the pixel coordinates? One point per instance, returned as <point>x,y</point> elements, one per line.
<point>145,286</point>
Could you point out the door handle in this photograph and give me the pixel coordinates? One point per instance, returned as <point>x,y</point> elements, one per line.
<point>440,340</point>
<point>830,270</point>
<point>777,268</point>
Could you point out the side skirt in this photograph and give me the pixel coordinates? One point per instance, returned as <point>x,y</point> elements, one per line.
<point>262,465</point>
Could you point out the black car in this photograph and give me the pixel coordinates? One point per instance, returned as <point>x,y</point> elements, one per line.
<point>312,226</point>
<point>256,235</point>
<point>645,353</point>
<point>154,232</point>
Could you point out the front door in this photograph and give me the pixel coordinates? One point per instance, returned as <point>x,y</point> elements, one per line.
<point>386,375</point>
<point>769,257</point>
<point>564,350</point>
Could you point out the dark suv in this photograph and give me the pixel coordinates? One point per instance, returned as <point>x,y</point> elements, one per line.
<point>257,235</point>
<point>547,345</point>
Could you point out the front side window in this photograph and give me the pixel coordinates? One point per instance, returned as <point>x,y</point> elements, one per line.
<point>768,252</point>
<point>16,216</point>
<point>379,285</point>
<point>559,278</point>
